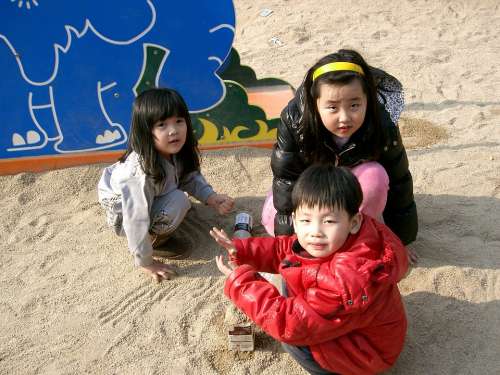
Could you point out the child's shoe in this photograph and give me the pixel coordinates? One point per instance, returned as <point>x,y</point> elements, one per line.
<point>169,246</point>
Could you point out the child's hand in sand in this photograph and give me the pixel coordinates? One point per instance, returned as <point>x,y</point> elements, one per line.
<point>223,239</point>
<point>222,203</point>
<point>159,271</point>
<point>226,270</point>
<point>412,257</point>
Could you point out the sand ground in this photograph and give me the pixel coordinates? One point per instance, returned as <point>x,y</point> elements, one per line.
<point>72,302</point>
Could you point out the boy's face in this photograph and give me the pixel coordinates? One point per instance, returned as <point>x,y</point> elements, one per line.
<point>321,232</point>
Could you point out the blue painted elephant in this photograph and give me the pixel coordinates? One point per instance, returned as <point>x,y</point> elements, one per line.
<point>72,92</point>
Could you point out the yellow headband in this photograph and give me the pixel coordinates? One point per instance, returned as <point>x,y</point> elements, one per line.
<point>335,66</point>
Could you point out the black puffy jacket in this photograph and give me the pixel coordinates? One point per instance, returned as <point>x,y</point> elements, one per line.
<point>288,161</point>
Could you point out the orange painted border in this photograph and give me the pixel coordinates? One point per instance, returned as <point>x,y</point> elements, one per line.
<point>50,162</point>
<point>271,99</point>
<point>44,163</point>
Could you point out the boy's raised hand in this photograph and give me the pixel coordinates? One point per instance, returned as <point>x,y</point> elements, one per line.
<point>223,239</point>
<point>226,270</point>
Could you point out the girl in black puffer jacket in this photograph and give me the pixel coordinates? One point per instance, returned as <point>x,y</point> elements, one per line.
<point>345,113</point>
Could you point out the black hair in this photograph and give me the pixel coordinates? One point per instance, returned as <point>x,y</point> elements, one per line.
<point>325,185</point>
<point>314,132</point>
<point>150,107</point>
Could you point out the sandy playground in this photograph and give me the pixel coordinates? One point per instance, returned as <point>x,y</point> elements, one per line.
<point>72,303</point>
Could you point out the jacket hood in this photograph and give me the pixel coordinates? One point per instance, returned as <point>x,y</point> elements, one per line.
<point>379,251</point>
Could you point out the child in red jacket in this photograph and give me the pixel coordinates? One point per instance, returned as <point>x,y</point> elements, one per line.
<point>341,310</point>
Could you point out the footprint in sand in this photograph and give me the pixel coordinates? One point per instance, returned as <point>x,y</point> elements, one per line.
<point>129,305</point>
<point>27,179</point>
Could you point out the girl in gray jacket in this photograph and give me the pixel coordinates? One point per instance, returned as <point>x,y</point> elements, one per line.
<point>145,193</point>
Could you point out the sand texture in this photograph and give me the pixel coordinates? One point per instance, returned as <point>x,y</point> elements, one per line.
<point>71,301</point>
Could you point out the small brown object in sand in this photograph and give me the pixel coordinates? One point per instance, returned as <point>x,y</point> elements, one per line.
<point>241,337</point>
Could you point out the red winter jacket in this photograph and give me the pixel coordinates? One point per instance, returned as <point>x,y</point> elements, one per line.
<point>346,308</point>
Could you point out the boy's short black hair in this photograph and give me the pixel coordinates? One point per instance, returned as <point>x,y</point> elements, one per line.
<point>325,185</point>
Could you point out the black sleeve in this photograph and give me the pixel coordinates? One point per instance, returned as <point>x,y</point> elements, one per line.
<point>287,164</point>
<point>400,213</point>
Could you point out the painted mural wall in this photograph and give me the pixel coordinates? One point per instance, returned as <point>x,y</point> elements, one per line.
<point>71,70</point>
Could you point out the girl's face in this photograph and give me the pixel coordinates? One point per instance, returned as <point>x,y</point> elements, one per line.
<point>342,108</point>
<point>321,232</point>
<point>170,135</point>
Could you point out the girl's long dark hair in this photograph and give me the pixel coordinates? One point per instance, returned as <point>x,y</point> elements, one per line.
<point>314,132</point>
<point>150,107</point>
